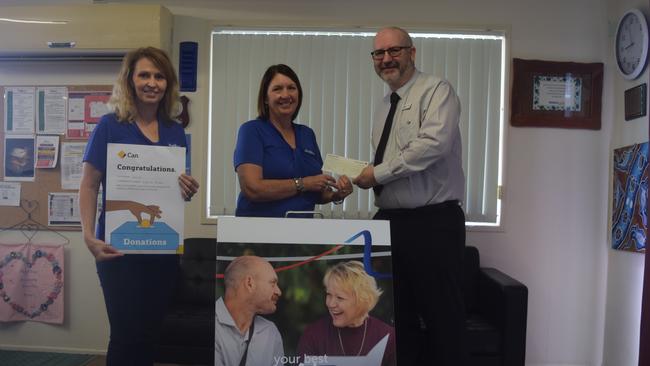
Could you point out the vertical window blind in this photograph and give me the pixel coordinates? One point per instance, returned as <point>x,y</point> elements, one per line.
<point>340,89</point>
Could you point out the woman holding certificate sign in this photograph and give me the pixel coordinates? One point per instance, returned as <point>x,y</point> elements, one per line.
<point>278,161</point>
<point>136,287</point>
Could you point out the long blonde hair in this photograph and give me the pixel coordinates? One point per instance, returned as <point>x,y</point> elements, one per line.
<point>122,101</point>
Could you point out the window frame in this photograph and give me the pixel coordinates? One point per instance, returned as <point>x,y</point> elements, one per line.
<point>497,225</point>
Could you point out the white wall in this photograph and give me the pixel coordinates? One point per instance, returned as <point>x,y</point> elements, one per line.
<point>85,328</point>
<point>625,270</point>
<point>582,307</point>
<point>86,325</point>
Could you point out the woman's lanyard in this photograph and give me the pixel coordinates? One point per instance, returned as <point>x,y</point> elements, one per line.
<point>242,362</point>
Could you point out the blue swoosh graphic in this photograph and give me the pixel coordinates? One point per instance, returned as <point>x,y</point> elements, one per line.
<point>367,252</point>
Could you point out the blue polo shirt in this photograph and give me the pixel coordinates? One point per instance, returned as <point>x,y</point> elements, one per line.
<point>110,130</point>
<point>260,143</point>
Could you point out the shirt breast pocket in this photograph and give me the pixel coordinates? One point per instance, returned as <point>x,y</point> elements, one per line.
<point>311,161</point>
<point>407,131</point>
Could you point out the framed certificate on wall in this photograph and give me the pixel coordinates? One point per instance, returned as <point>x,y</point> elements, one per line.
<point>556,94</point>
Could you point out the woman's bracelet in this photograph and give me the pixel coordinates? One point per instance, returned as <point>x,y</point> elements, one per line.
<point>300,186</point>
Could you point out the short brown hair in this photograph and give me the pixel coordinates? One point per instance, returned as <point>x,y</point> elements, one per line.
<point>123,99</point>
<point>262,98</point>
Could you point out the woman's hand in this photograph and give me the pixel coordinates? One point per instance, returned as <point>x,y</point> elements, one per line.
<point>318,183</point>
<point>343,188</point>
<point>189,186</point>
<point>100,250</point>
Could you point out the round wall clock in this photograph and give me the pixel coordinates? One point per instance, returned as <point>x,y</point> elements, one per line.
<point>632,43</point>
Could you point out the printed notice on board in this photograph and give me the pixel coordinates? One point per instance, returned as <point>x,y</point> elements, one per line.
<point>19,158</point>
<point>63,209</point>
<point>71,164</point>
<point>9,194</point>
<point>51,113</point>
<point>19,110</point>
<point>144,206</point>
<point>47,151</point>
<point>85,109</point>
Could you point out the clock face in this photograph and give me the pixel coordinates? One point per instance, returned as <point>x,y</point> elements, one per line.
<point>632,43</point>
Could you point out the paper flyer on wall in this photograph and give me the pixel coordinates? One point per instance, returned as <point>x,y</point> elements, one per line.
<point>71,164</point>
<point>51,114</point>
<point>311,327</point>
<point>19,158</point>
<point>63,209</point>
<point>9,194</point>
<point>85,109</point>
<point>19,110</point>
<point>47,151</point>
<point>144,206</point>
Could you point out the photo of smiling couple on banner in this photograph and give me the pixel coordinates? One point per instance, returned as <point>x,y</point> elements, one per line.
<point>303,292</point>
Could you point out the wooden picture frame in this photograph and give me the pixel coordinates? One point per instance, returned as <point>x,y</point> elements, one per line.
<point>556,94</point>
<point>635,102</point>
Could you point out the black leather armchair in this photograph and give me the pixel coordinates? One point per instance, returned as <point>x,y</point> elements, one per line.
<point>496,315</point>
<point>187,335</point>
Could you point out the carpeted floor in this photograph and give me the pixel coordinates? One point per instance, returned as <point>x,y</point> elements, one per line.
<point>21,358</point>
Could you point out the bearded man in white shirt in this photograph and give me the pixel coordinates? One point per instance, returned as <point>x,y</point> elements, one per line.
<point>419,184</point>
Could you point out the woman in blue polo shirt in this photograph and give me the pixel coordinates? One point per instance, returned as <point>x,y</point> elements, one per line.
<point>278,161</point>
<point>137,287</point>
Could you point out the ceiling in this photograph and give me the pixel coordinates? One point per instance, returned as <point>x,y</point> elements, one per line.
<point>246,9</point>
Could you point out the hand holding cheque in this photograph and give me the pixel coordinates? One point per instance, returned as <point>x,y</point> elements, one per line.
<point>341,165</point>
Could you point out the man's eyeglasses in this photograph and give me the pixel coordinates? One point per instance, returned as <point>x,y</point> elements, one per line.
<point>393,52</point>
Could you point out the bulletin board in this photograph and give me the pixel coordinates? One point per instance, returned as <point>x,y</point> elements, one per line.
<point>46,180</point>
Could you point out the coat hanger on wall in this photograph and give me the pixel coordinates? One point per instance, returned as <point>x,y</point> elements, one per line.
<point>30,227</point>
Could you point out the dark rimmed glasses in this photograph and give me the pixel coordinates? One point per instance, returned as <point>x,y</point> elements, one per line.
<point>393,52</point>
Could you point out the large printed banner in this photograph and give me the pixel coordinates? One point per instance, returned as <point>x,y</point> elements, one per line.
<point>307,320</point>
<point>144,206</point>
<point>31,283</point>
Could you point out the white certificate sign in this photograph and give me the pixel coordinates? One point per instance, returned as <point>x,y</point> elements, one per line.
<point>557,93</point>
<point>144,206</point>
<point>341,165</point>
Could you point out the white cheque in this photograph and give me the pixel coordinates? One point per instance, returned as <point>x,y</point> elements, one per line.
<point>341,165</point>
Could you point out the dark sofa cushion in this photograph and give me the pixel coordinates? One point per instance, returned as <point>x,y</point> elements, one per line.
<point>189,326</point>
<point>482,336</point>
<point>197,276</point>
<point>187,334</point>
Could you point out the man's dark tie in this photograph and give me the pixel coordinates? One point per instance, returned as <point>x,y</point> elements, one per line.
<point>379,154</point>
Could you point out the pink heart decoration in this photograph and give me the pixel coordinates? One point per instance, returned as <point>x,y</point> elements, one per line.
<point>54,292</point>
